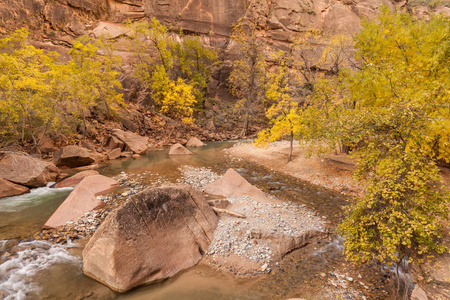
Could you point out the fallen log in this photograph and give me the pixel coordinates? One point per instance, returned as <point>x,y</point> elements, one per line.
<point>228,212</point>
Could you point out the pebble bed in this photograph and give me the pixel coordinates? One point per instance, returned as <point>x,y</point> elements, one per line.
<point>249,238</point>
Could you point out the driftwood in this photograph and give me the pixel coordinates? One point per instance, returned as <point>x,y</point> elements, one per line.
<point>229,212</point>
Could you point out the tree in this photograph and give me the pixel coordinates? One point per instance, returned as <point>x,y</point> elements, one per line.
<point>394,112</point>
<point>283,104</point>
<point>400,124</point>
<point>196,64</point>
<point>163,64</point>
<point>247,77</point>
<point>39,93</point>
<point>27,104</point>
<point>91,81</point>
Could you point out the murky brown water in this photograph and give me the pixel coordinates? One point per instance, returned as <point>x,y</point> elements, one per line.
<point>62,278</point>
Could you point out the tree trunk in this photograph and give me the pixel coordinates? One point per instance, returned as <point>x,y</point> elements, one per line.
<point>291,146</point>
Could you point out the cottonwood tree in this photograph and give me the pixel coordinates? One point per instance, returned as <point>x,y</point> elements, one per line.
<point>26,89</point>
<point>283,111</point>
<point>39,93</point>
<point>394,111</point>
<point>91,81</point>
<point>177,73</point>
<point>401,125</point>
<point>248,75</point>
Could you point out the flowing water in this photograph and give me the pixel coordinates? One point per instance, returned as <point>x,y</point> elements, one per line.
<point>40,270</point>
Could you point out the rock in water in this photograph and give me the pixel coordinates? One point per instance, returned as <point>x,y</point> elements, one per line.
<point>233,184</point>
<point>75,179</point>
<point>136,143</point>
<point>153,236</point>
<point>8,189</point>
<point>194,142</point>
<point>26,170</point>
<point>72,157</point>
<point>178,149</point>
<point>82,200</point>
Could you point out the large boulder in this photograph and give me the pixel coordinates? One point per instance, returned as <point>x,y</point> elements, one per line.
<point>82,200</point>
<point>154,235</point>
<point>134,142</point>
<point>26,170</point>
<point>178,149</point>
<point>72,156</point>
<point>194,142</point>
<point>75,179</point>
<point>9,189</point>
<point>233,184</point>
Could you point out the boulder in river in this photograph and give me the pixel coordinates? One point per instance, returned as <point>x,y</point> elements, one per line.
<point>26,170</point>
<point>9,189</point>
<point>178,149</point>
<point>134,142</point>
<point>194,142</point>
<point>72,156</point>
<point>75,179</point>
<point>153,236</point>
<point>82,200</point>
<point>233,184</point>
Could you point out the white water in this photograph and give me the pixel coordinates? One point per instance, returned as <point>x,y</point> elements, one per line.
<point>16,273</point>
<point>35,197</point>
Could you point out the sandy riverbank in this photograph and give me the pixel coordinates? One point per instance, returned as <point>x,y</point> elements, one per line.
<point>332,171</point>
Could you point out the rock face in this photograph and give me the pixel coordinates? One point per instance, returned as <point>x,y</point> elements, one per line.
<point>72,157</point>
<point>134,142</point>
<point>233,184</point>
<point>82,200</point>
<point>194,142</point>
<point>202,16</point>
<point>27,171</point>
<point>154,235</point>
<point>9,189</point>
<point>178,149</point>
<point>75,179</point>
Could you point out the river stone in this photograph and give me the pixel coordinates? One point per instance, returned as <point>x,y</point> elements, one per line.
<point>72,156</point>
<point>75,179</point>
<point>26,170</point>
<point>194,142</point>
<point>233,184</point>
<point>9,189</point>
<point>114,153</point>
<point>82,200</point>
<point>153,236</point>
<point>178,149</point>
<point>136,143</point>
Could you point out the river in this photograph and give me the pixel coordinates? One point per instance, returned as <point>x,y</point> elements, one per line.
<point>40,270</point>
